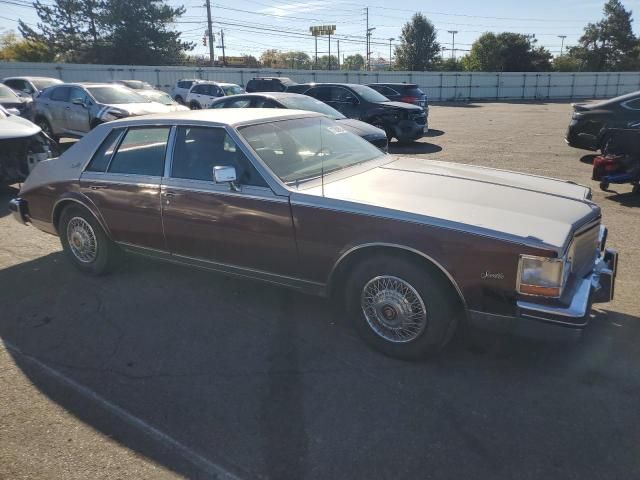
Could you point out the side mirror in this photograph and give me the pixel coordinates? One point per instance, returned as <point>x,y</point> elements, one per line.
<point>13,111</point>
<point>225,174</point>
<point>78,101</point>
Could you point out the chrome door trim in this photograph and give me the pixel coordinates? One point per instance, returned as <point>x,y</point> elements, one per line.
<point>203,186</point>
<point>122,179</point>
<point>308,286</point>
<point>168,154</point>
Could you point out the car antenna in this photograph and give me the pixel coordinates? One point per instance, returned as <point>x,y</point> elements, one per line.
<point>321,162</point>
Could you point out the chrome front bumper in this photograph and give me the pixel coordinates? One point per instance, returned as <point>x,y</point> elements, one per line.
<point>597,287</point>
<point>18,207</point>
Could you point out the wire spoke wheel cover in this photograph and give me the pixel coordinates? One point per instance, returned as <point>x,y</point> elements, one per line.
<point>393,309</point>
<point>82,240</point>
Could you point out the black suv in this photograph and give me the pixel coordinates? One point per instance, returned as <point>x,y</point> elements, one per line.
<point>402,92</point>
<point>399,120</point>
<point>269,84</point>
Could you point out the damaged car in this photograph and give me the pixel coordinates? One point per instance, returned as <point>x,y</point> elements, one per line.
<point>22,146</point>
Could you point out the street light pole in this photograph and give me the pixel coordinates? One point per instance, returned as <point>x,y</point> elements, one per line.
<point>453,42</point>
<point>562,37</point>
<point>390,40</point>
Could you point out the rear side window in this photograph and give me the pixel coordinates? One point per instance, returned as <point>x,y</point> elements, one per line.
<point>141,152</point>
<point>60,94</point>
<point>100,160</point>
<point>413,91</point>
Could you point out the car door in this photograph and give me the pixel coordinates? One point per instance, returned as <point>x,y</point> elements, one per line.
<point>345,101</point>
<point>56,104</point>
<point>248,228</point>
<point>123,181</point>
<point>77,114</point>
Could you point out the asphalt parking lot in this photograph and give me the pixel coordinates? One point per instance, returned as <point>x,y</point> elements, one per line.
<point>158,371</point>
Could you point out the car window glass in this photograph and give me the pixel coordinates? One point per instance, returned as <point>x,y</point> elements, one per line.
<point>238,103</point>
<point>100,160</point>
<point>199,149</point>
<point>342,95</point>
<point>77,93</point>
<point>60,94</point>
<point>141,152</point>
<point>386,91</point>
<point>321,93</point>
<point>264,103</point>
<point>634,104</point>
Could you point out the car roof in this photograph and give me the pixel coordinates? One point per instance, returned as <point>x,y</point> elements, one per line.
<point>22,77</point>
<point>274,95</point>
<point>88,84</point>
<point>396,84</point>
<point>227,116</point>
<point>213,82</point>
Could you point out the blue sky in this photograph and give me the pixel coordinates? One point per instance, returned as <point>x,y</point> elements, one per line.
<point>251,26</point>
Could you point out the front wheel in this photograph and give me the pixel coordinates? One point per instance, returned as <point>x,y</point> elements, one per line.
<point>401,308</point>
<point>85,242</point>
<point>195,106</point>
<point>46,128</point>
<point>604,186</point>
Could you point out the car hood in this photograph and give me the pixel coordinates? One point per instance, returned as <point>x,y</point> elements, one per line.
<point>402,105</point>
<point>361,128</point>
<point>143,108</point>
<point>522,208</point>
<point>16,127</point>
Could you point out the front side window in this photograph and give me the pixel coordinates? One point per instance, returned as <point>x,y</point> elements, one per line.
<point>369,94</point>
<point>199,149</point>
<point>198,89</point>
<point>342,95</point>
<point>77,94</point>
<point>141,152</point>
<point>232,90</point>
<point>321,93</point>
<point>307,148</point>
<point>7,95</point>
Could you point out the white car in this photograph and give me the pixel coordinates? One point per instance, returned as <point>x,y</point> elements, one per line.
<point>30,86</point>
<point>159,96</point>
<point>181,89</point>
<point>203,94</point>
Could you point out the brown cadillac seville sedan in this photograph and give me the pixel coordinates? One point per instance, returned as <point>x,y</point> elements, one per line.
<point>412,246</point>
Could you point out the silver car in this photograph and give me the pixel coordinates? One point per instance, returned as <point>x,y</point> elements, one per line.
<point>72,109</point>
<point>30,86</point>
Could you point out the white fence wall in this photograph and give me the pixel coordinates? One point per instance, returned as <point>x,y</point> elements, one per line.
<point>439,86</point>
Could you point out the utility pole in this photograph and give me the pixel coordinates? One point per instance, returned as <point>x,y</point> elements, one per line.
<point>329,67</point>
<point>366,10</point>
<point>210,30</point>
<point>369,30</point>
<point>338,54</point>
<point>390,40</point>
<point>315,64</point>
<point>562,37</point>
<point>453,42</point>
<point>224,58</point>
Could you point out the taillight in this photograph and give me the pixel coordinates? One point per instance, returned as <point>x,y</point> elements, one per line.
<point>408,99</point>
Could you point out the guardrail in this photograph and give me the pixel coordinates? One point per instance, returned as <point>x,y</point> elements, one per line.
<point>439,86</point>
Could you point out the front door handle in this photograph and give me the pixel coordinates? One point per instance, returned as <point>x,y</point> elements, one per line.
<point>97,187</point>
<point>169,194</point>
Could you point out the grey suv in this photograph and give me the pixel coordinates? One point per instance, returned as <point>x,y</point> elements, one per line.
<point>72,109</point>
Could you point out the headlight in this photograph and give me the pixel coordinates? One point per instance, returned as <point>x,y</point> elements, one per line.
<point>542,276</point>
<point>113,114</point>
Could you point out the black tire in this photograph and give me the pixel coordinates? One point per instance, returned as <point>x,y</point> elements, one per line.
<point>635,189</point>
<point>106,252</point>
<point>442,307</point>
<point>604,186</point>
<point>379,125</point>
<point>195,106</point>
<point>179,100</point>
<point>45,126</point>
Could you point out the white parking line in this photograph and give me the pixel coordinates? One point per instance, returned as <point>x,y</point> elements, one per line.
<point>216,471</point>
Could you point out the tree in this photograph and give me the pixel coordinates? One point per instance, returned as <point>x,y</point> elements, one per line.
<point>323,62</point>
<point>109,31</point>
<point>418,49</point>
<point>566,63</point>
<point>449,65</point>
<point>610,43</point>
<point>353,62</point>
<point>273,58</point>
<point>507,52</point>
<point>14,48</point>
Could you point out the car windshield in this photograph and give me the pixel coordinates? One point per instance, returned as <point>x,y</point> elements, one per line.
<point>414,91</point>
<point>113,95</point>
<point>42,83</point>
<point>7,95</point>
<point>302,102</point>
<point>307,148</point>
<point>232,89</point>
<point>136,84</point>
<point>158,96</point>
<point>368,93</point>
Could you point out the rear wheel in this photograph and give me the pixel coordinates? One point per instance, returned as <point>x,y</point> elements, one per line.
<point>179,99</point>
<point>400,308</point>
<point>195,106</point>
<point>85,242</point>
